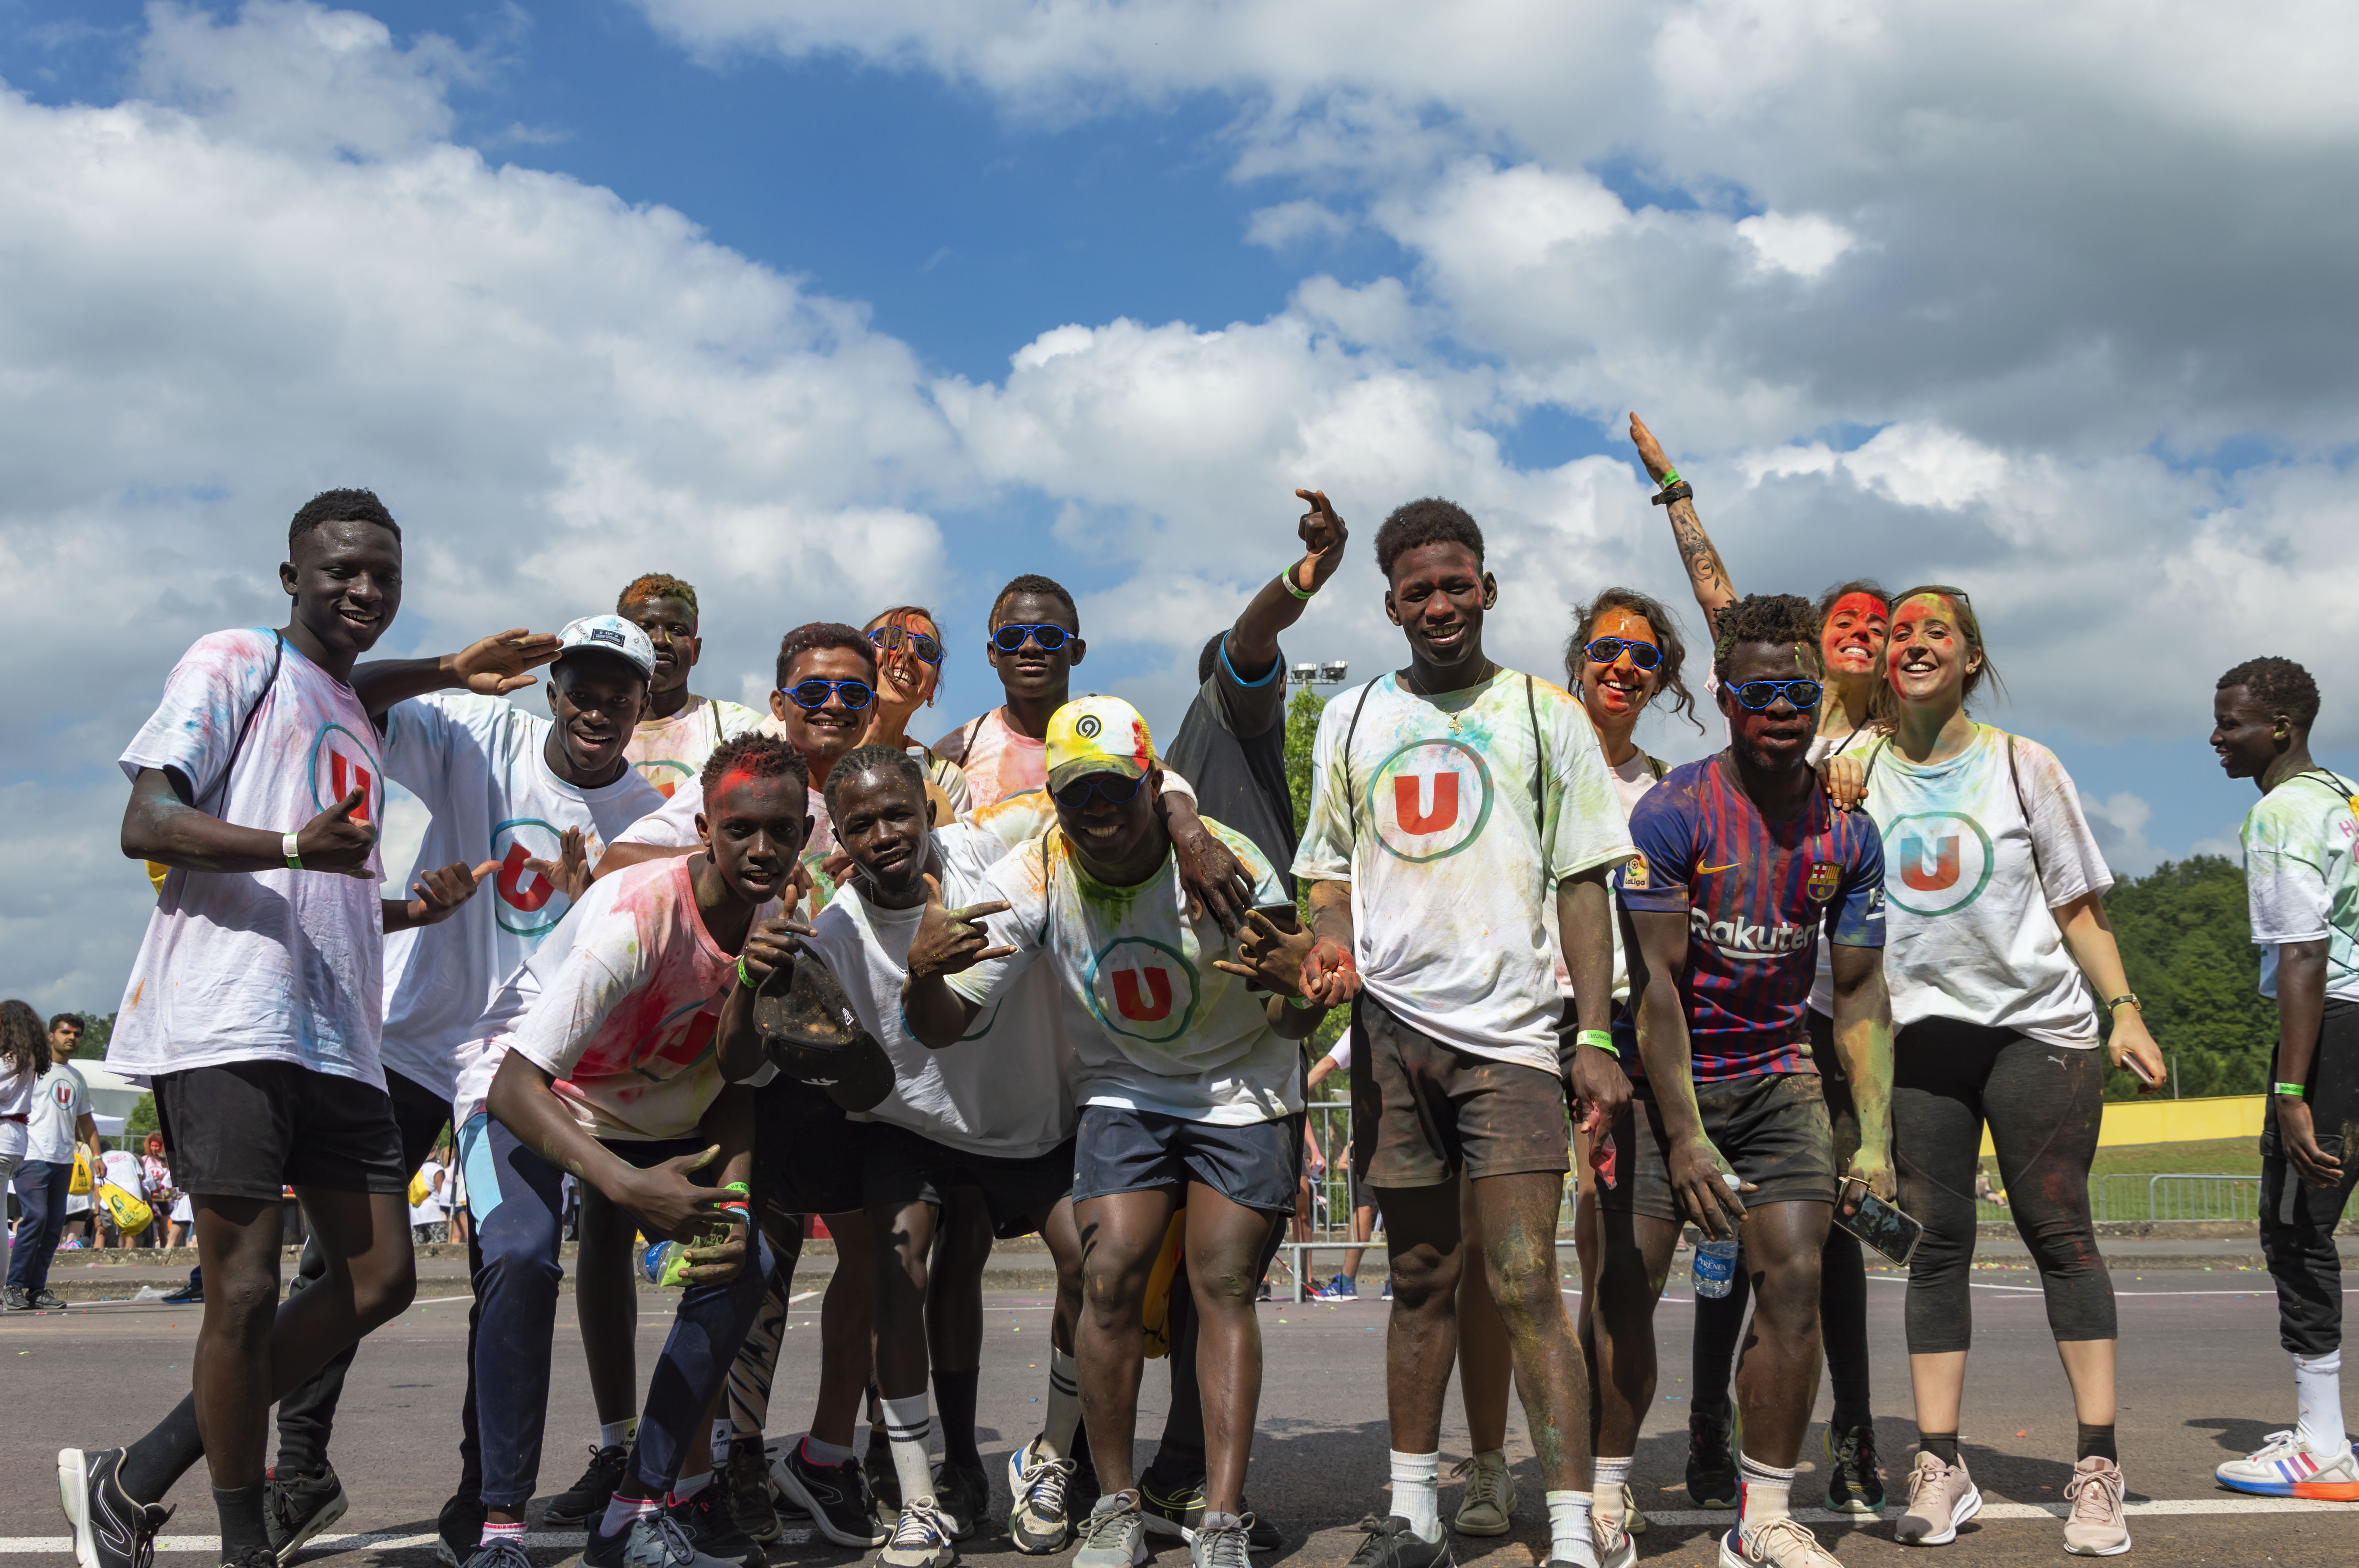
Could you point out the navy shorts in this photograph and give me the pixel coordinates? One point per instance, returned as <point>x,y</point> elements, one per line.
<point>1118,1150</point>
<point>904,1167</point>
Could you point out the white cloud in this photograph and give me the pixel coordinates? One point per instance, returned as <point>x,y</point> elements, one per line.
<point>1804,244</point>
<point>209,311</point>
<point>1291,222</point>
<point>2118,821</point>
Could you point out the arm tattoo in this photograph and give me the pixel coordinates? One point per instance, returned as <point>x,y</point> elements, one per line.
<point>1703,562</point>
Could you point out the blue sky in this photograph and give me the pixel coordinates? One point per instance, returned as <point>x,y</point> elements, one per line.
<point>955,294</point>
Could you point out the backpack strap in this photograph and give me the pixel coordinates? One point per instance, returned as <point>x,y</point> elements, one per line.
<point>277,656</point>
<point>2031,837</point>
<point>1343,761</point>
<point>1539,783</point>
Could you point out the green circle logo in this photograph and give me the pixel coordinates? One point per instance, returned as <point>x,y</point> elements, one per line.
<point>1141,989</point>
<point>1936,862</point>
<point>1430,800</point>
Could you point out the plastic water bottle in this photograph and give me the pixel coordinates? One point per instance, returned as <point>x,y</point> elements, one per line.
<point>1714,1269</point>
<point>665,1261</point>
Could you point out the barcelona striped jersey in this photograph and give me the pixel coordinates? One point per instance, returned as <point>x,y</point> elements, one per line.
<point>1757,893</point>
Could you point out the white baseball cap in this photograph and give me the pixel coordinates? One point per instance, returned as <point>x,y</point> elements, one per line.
<point>609,634</point>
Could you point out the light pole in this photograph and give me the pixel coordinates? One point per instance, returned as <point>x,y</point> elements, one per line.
<point>1329,672</point>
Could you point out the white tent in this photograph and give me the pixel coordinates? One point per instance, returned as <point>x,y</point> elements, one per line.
<point>111,1096</point>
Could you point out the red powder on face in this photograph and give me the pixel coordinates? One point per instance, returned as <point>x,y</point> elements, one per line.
<point>1848,618</point>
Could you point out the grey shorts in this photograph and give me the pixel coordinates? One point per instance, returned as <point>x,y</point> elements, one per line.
<point>1773,1128</point>
<point>1117,1151</point>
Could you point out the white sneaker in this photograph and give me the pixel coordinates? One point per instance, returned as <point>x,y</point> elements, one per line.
<point>921,1538</point>
<point>1781,1543</point>
<point>2285,1466</point>
<point>1041,1521</point>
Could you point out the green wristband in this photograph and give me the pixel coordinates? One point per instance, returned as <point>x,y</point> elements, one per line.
<point>1601,1038</point>
<point>1670,477</point>
<point>2296,1090</point>
<point>740,1188</point>
<point>1287,576</point>
<point>748,981</point>
<point>1303,1002</point>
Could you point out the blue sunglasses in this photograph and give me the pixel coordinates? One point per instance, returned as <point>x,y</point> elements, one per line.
<point>1760,694</point>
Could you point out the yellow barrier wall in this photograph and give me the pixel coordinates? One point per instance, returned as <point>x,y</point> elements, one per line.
<point>2175,1120</point>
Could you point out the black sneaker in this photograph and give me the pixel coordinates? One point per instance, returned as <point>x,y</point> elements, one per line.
<point>773,1454</point>
<point>1711,1473</point>
<point>962,1493</point>
<point>458,1530</point>
<point>587,1497</point>
<point>1174,1507</point>
<point>1260,1534</point>
<point>194,1292</point>
<point>836,1498</point>
<point>1854,1483</point>
<point>47,1300</point>
<point>14,1300</point>
<point>650,1540</point>
<point>748,1481</point>
<point>257,1557</point>
<point>884,1481</point>
<point>110,1530</point>
<point>298,1505</point>
<point>711,1526</point>
<point>1391,1543</point>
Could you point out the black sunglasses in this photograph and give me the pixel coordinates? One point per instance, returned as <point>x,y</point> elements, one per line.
<point>1115,789</point>
<point>925,647</point>
<point>813,694</point>
<point>1759,694</point>
<point>1010,637</point>
<point>1643,655</point>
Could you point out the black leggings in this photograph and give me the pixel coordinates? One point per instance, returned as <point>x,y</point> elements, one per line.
<point>1842,1283</point>
<point>2298,1220</point>
<point>2043,1104</point>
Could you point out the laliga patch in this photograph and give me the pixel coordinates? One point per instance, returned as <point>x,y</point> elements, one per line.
<point>1825,876</point>
<point>1634,875</point>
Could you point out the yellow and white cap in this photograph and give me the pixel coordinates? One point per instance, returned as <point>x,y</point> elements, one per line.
<point>1097,735</point>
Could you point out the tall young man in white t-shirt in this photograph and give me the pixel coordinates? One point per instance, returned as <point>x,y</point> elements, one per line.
<point>1036,641</point>
<point>988,1121</point>
<point>1452,803</point>
<point>2301,866</point>
<point>506,789</point>
<point>679,729</point>
<point>614,1052</point>
<point>255,1008</point>
<point>1189,1087</point>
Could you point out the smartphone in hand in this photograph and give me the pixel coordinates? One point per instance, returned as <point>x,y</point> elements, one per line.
<point>1881,1224</point>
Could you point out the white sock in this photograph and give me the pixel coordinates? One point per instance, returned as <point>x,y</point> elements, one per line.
<point>1606,1489</point>
<point>2318,1397</point>
<point>1764,1493</point>
<point>619,1434</point>
<point>819,1453</point>
<point>910,1428</point>
<point>495,1532</point>
<point>1417,1481</point>
<point>621,1510</point>
<point>687,1486</point>
<point>724,1432</point>
<point>1065,1406</point>
<point>1569,1537</point>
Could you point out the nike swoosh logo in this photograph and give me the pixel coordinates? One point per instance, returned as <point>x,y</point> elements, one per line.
<point>1707,871</point>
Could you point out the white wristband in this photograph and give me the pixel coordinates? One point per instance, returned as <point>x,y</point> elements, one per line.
<point>294,861</point>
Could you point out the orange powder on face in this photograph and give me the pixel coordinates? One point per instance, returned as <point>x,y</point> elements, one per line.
<point>1844,619</point>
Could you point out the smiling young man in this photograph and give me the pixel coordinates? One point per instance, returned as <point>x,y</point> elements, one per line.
<point>254,1009</point>
<point>2299,845</point>
<point>988,1120</point>
<point>1742,868</point>
<point>1036,641</point>
<point>678,730</point>
<point>1188,1084</point>
<point>610,1055</point>
<point>1459,810</point>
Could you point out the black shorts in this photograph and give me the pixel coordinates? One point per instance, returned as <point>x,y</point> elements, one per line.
<point>807,1154</point>
<point>251,1130</point>
<point>1772,1128</point>
<point>1421,1110</point>
<point>1117,1151</point>
<point>901,1167</point>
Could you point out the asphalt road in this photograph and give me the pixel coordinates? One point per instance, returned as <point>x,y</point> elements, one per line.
<point>2202,1378</point>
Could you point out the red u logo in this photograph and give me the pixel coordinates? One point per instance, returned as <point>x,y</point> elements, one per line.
<point>513,883</point>
<point>1408,790</point>
<point>1139,1009</point>
<point>1912,864</point>
<point>345,778</point>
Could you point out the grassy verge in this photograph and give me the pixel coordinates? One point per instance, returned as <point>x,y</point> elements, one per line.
<point>2221,1156</point>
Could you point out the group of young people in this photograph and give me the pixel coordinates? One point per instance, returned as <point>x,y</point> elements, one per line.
<point>1080,958</point>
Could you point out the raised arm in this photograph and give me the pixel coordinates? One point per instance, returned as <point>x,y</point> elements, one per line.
<point>494,666</point>
<point>947,940</point>
<point>1253,641</point>
<point>161,823</point>
<point>1706,575</point>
